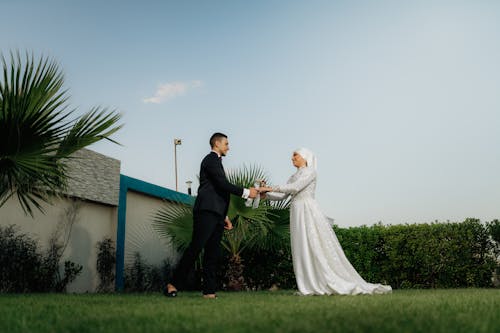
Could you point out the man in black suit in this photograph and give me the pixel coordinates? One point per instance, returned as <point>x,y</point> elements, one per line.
<point>209,218</point>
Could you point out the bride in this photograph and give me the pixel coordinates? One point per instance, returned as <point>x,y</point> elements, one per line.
<point>319,263</point>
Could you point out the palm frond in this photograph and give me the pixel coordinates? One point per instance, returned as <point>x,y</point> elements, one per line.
<point>278,233</point>
<point>174,222</point>
<point>36,131</point>
<point>245,176</point>
<point>262,227</point>
<point>247,221</point>
<point>90,128</point>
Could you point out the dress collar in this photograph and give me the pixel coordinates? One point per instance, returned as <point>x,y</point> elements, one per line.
<point>213,151</point>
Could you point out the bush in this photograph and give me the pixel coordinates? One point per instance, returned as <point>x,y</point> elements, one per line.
<point>269,269</point>
<point>105,265</point>
<point>143,277</point>
<point>24,268</point>
<point>20,261</point>
<point>435,255</point>
<point>494,230</point>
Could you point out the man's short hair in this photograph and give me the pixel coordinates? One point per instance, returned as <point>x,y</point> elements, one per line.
<point>216,137</point>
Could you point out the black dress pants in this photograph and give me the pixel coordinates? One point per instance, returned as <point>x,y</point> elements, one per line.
<point>208,228</point>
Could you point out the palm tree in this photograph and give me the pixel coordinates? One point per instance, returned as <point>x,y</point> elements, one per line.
<point>265,227</point>
<point>38,133</point>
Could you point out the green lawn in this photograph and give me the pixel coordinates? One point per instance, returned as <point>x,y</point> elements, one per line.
<point>462,310</point>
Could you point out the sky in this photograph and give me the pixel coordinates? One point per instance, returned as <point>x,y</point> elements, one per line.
<point>399,100</point>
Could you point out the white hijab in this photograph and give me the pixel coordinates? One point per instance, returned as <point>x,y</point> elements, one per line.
<point>308,156</point>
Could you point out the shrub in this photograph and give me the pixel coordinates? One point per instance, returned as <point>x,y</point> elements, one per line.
<point>269,269</point>
<point>435,255</point>
<point>105,265</point>
<point>24,268</point>
<point>143,277</point>
<point>20,261</point>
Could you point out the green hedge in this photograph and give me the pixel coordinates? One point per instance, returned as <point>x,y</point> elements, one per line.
<point>435,255</point>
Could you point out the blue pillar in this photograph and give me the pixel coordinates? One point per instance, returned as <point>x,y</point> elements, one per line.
<point>132,184</point>
<point>120,235</point>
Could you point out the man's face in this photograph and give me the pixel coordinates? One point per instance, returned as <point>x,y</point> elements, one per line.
<point>222,146</point>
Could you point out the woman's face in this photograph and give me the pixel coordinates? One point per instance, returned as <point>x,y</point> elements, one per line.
<point>298,161</point>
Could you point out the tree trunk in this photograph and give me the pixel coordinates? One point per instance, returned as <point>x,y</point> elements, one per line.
<point>234,274</point>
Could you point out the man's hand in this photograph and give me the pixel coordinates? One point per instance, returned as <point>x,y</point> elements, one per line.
<point>227,224</point>
<point>253,193</point>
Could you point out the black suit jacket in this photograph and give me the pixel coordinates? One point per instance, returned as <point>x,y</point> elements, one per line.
<point>215,190</point>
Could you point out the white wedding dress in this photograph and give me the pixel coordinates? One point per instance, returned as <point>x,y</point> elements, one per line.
<point>319,263</point>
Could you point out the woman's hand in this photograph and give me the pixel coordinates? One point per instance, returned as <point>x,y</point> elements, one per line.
<point>265,189</point>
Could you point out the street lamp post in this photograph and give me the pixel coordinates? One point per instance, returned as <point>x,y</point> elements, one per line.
<point>188,183</point>
<point>176,143</point>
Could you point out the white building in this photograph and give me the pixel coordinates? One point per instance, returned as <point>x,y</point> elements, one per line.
<point>101,203</point>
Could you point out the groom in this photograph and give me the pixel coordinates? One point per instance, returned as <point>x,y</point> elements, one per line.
<point>209,218</point>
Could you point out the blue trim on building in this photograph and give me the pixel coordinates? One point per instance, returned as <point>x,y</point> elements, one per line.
<point>133,184</point>
<point>120,234</point>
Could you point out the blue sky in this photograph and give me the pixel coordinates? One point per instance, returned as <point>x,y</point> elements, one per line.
<point>399,100</point>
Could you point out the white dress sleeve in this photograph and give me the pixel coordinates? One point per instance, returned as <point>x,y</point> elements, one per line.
<point>276,196</point>
<point>298,184</point>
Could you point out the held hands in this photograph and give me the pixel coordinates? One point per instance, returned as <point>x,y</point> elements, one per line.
<point>262,190</point>
<point>253,193</point>
<point>265,189</point>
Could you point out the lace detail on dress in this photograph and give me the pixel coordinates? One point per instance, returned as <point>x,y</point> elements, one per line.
<point>301,184</point>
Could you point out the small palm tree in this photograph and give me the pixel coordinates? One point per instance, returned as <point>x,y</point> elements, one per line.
<point>38,134</point>
<point>265,227</point>
<point>174,222</point>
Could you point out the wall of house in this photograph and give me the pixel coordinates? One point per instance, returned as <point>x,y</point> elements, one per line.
<point>92,197</point>
<point>81,224</point>
<point>78,223</point>
<point>97,204</point>
<point>140,236</point>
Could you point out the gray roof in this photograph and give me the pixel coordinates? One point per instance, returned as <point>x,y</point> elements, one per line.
<point>94,177</point>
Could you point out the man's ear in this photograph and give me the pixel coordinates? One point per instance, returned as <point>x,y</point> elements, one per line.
<point>218,143</point>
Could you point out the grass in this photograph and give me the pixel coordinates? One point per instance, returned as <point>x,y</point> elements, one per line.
<point>457,310</point>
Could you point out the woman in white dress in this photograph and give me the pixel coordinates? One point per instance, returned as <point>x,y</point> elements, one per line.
<point>319,263</point>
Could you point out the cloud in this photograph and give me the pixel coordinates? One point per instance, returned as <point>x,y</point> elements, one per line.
<point>168,91</point>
